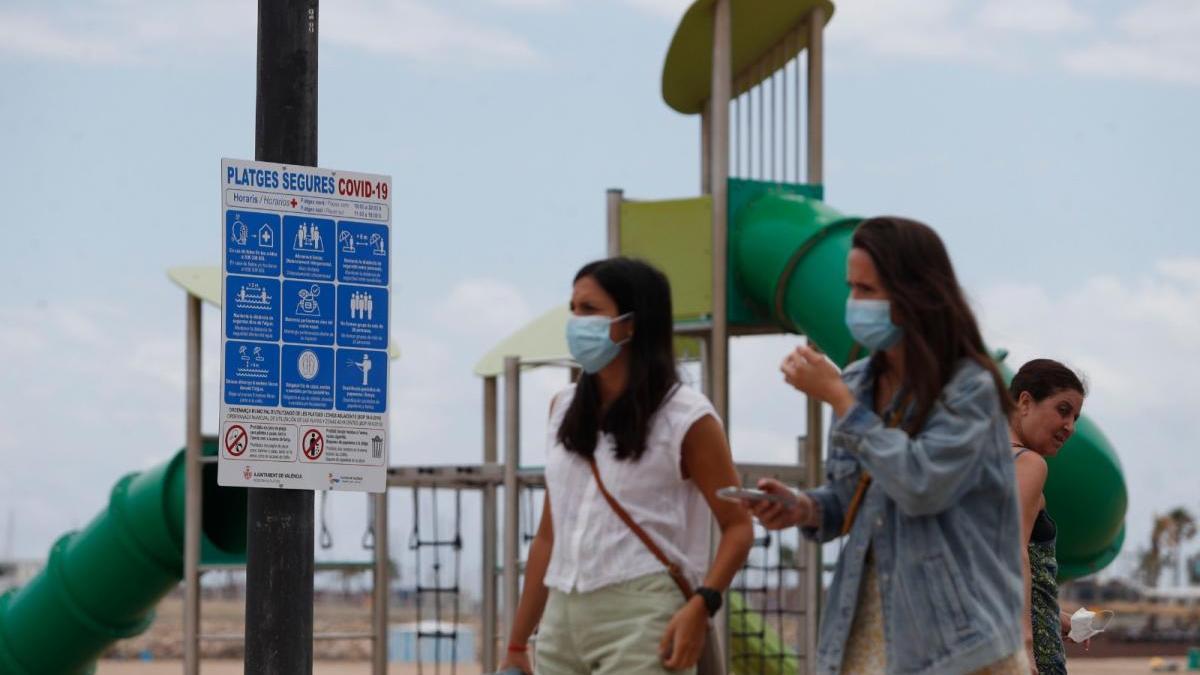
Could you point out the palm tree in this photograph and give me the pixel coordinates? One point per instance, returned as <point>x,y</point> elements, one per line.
<point>1181,528</point>
<point>1170,532</point>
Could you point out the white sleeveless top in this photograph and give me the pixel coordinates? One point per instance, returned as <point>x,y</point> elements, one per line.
<point>593,548</point>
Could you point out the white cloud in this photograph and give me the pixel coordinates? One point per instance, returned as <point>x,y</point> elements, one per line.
<point>1157,40</point>
<point>40,36</point>
<point>1182,270</point>
<point>530,4</point>
<point>1033,16</point>
<point>1154,40</point>
<point>422,31</point>
<point>137,31</point>
<point>483,307</point>
<point>141,31</point>
<point>666,9</point>
<point>663,9</point>
<point>931,29</point>
<point>91,390</point>
<point>424,394</point>
<point>764,445</point>
<point>1120,333</point>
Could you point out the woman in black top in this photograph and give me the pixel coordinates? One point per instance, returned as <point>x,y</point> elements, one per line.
<point>1049,397</point>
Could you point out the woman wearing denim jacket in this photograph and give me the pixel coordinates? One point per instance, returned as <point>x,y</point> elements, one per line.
<point>919,477</point>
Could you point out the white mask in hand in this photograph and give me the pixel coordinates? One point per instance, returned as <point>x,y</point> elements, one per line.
<point>1086,624</point>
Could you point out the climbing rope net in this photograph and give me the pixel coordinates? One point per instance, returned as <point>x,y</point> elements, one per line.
<point>439,582</point>
<point>766,607</point>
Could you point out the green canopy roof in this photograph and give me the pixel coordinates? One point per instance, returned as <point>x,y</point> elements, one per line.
<point>757,27</point>
<point>205,283</point>
<point>543,340</point>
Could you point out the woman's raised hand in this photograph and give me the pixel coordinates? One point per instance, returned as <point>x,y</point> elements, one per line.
<point>809,371</point>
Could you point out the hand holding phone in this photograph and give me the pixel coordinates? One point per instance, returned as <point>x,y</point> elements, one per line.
<point>739,494</point>
<point>780,507</point>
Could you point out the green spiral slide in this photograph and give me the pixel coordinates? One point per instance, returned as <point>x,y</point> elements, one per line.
<point>101,584</point>
<point>787,258</point>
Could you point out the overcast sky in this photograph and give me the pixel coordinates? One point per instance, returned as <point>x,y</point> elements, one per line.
<point>1051,142</point>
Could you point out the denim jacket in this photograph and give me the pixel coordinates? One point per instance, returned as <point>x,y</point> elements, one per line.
<point>942,521</point>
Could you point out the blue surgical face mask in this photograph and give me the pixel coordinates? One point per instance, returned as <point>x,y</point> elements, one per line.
<point>590,342</point>
<point>870,322</point>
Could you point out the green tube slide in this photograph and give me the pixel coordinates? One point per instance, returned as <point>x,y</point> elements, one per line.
<point>101,584</point>
<point>787,255</point>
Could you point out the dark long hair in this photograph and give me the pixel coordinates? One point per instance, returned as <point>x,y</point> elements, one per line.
<point>927,302</point>
<point>636,287</point>
<point>1045,377</point>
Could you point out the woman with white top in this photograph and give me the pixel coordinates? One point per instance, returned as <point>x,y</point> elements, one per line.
<point>605,601</point>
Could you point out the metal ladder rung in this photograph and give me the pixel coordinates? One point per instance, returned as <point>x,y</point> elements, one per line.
<point>448,543</point>
<point>440,590</point>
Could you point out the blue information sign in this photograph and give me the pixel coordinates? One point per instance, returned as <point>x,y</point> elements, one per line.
<point>363,253</point>
<point>251,373</point>
<point>251,243</point>
<point>362,313</point>
<point>361,380</point>
<point>305,300</point>
<point>308,312</point>
<point>251,308</point>
<point>308,248</point>
<point>307,377</point>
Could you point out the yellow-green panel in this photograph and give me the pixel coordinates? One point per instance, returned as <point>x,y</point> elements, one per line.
<point>675,236</point>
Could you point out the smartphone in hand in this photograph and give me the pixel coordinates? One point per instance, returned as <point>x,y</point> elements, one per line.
<point>739,494</point>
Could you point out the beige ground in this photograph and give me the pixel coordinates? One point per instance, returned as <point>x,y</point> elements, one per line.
<point>348,657</point>
<point>1078,667</point>
<point>225,617</point>
<point>235,668</point>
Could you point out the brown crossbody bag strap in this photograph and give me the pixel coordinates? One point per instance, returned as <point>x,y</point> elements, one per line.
<point>681,581</point>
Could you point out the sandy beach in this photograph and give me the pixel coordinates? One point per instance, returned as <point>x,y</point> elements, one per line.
<point>1133,666</point>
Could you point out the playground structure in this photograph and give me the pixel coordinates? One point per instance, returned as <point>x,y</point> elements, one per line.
<point>758,252</point>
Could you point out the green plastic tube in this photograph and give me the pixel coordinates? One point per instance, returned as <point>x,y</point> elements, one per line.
<point>101,584</point>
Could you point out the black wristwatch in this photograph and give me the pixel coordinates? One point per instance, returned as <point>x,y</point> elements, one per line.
<point>712,599</point>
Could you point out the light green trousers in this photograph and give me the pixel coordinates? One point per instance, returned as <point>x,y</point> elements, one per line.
<point>611,631</point>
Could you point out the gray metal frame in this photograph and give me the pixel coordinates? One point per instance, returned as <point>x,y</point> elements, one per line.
<point>815,435</point>
<point>194,493</point>
<point>193,500</point>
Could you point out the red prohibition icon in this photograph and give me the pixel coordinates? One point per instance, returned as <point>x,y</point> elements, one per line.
<point>312,444</point>
<point>236,440</point>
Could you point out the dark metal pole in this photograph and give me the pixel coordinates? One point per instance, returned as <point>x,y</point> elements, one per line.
<point>279,551</point>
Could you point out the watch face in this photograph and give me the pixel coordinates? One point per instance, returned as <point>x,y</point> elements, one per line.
<point>712,599</point>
